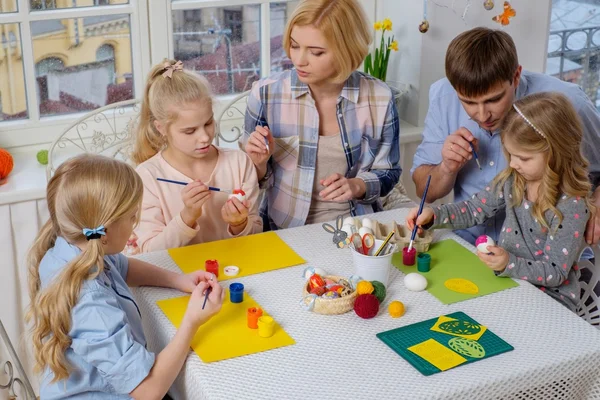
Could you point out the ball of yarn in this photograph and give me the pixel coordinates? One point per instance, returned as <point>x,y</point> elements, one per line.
<point>6,163</point>
<point>42,157</point>
<point>378,290</point>
<point>396,309</point>
<point>364,287</point>
<point>366,306</point>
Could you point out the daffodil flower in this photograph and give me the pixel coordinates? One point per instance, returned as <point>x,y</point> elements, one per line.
<point>377,25</point>
<point>387,24</point>
<point>394,45</point>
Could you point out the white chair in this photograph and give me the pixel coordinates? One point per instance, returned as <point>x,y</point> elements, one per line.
<point>17,380</point>
<point>589,306</point>
<point>106,131</point>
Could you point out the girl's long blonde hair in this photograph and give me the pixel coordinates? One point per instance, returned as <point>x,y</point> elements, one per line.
<point>162,96</point>
<point>560,138</point>
<point>85,192</point>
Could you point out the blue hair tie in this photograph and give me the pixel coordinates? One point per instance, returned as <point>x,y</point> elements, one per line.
<point>94,233</point>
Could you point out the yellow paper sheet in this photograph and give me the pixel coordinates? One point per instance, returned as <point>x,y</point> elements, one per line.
<point>226,335</point>
<point>443,319</point>
<point>253,254</point>
<point>437,354</point>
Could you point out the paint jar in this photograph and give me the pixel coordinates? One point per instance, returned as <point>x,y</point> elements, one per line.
<point>266,326</point>
<point>408,256</point>
<point>236,292</point>
<point>423,262</point>
<point>254,313</point>
<point>212,266</point>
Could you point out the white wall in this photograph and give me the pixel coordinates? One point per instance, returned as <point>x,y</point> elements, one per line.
<point>420,60</point>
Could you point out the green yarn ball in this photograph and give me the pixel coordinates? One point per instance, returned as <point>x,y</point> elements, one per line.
<point>379,290</point>
<point>42,157</point>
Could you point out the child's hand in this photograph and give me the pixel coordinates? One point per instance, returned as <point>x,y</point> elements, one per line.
<point>235,214</point>
<point>256,147</point>
<point>187,283</point>
<point>497,261</point>
<point>194,313</point>
<point>425,218</point>
<point>193,195</point>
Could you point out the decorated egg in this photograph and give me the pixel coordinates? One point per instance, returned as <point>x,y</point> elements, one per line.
<point>239,194</point>
<point>483,242</point>
<point>319,291</point>
<point>336,288</point>
<point>310,271</point>
<point>415,282</point>
<point>364,230</point>
<point>331,295</point>
<point>367,223</point>
<point>315,281</point>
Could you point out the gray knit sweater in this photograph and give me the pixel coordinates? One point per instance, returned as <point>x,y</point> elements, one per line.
<point>544,258</point>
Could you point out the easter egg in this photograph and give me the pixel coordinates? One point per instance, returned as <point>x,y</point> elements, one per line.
<point>239,194</point>
<point>483,242</point>
<point>42,157</point>
<point>319,290</point>
<point>424,26</point>
<point>349,221</point>
<point>310,271</point>
<point>396,309</point>
<point>331,295</point>
<point>367,223</point>
<point>488,4</point>
<point>415,282</point>
<point>336,288</point>
<point>315,281</point>
<point>6,164</point>
<point>460,327</point>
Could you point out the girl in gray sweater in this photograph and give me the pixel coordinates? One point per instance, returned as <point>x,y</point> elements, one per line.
<point>544,192</point>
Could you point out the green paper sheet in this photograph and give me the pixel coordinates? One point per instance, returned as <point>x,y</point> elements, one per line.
<point>451,260</point>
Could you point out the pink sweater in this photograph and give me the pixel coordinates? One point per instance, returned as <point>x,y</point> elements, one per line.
<point>161,226</point>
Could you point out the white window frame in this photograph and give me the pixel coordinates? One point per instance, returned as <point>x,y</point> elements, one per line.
<point>36,129</point>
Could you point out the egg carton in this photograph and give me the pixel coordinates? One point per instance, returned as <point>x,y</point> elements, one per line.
<point>380,230</point>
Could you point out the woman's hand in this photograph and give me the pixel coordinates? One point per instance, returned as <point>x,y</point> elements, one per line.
<point>256,147</point>
<point>340,188</point>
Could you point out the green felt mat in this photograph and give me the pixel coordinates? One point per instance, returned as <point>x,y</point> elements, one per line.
<point>450,260</point>
<point>400,339</point>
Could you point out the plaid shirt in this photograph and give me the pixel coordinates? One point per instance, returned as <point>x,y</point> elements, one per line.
<point>369,128</point>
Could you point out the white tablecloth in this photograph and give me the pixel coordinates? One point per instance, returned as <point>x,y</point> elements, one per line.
<point>557,355</point>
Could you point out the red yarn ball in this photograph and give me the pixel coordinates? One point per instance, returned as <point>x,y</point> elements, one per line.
<point>6,163</point>
<point>366,306</point>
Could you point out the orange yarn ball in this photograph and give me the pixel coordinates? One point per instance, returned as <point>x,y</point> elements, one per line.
<point>6,163</point>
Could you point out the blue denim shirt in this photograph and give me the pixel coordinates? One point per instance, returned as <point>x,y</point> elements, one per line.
<point>446,114</point>
<point>107,355</point>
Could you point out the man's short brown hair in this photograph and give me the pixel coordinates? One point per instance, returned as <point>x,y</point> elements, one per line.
<point>479,59</point>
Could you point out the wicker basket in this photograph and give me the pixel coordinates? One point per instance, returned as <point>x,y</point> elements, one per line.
<point>320,305</point>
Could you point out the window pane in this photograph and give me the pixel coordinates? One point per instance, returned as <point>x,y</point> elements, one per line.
<point>8,6</point>
<point>54,4</point>
<point>13,98</point>
<point>222,43</point>
<point>574,45</point>
<point>82,63</point>
<point>280,13</point>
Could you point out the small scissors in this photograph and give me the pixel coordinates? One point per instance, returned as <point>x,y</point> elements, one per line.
<point>368,241</point>
<point>357,242</point>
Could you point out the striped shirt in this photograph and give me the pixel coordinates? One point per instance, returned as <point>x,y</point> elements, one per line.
<point>369,129</point>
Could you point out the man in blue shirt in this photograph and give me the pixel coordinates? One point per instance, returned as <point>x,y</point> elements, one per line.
<point>468,107</point>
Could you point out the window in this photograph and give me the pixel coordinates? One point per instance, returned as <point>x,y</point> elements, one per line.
<point>66,57</point>
<point>574,45</point>
<point>232,46</point>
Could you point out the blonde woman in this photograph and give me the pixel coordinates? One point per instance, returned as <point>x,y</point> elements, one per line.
<point>174,141</point>
<point>86,326</point>
<point>545,193</point>
<point>324,138</point>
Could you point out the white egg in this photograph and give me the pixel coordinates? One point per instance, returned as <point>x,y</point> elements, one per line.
<point>310,271</point>
<point>239,196</point>
<point>367,223</point>
<point>348,221</point>
<point>362,231</point>
<point>348,229</point>
<point>415,282</point>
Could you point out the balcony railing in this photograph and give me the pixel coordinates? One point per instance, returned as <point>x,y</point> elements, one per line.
<point>574,56</point>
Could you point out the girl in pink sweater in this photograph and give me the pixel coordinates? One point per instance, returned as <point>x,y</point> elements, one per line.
<point>174,141</point>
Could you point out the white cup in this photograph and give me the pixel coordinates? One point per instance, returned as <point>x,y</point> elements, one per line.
<point>371,268</point>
